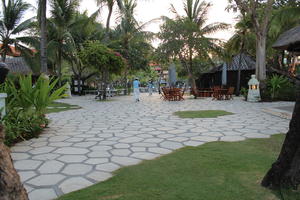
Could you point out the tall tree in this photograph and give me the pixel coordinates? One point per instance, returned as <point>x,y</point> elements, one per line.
<point>61,40</point>
<point>186,37</point>
<point>110,5</point>
<point>260,12</point>
<point>43,34</point>
<point>130,40</point>
<point>12,13</point>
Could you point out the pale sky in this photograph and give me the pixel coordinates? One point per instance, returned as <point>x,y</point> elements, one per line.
<point>151,9</point>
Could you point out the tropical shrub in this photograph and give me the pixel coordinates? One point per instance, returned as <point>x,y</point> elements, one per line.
<point>244,93</point>
<point>275,83</point>
<point>26,106</point>
<point>22,125</point>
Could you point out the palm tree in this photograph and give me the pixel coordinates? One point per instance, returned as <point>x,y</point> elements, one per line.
<point>60,38</point>
<point>12,13</point>
<point>186,37</point>
<point>43,34</point>
<point>132,41</point>
<point>110,5</point>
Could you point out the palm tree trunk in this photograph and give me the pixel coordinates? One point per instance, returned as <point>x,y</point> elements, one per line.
<point>10,183</point>
<point>59,66</point>
<point>43,29</point>
<point>285,172</point>
<point>110,10</point>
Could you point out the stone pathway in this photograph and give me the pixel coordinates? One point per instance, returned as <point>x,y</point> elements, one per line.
<point>83,147</point>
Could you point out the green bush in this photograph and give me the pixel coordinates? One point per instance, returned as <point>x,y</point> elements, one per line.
<point>274,84</point>
<point>26,106</point>
<point>22,125</point>
<point>279,88</point>
<point>244,93</point>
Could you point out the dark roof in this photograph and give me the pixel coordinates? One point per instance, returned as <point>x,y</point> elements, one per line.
<point>241,61</point>
<point>289,40</point>
<point>17,65</point>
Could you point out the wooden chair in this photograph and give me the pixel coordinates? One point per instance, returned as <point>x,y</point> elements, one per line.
<point>229,94</point>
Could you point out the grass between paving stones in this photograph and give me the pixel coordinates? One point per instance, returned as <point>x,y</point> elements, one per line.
<point>58,107</point>
<point>213,171</point>
<point>202,114</point>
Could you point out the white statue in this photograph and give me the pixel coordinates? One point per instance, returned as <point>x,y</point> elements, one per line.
<point>253,91</point>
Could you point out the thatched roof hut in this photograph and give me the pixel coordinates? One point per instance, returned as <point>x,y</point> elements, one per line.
<point>17,65</point>
<point>289,40</point>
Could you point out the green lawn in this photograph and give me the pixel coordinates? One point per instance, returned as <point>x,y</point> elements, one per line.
<point>213,171</point>
<point>202,113</point>
<point>58,107</point>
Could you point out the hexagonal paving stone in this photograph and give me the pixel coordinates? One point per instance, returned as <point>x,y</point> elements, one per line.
<point>101,148</point>
<point>47,156</point>
<point>120,152</point>
<point>107,167</point>
<point>19,156</point>
<point>73,184</point>
<point>72,158</point>
<point>46,179</point>
<point>205,138</point>
<point>77,169</point>
<point>51,166</point>
<point>21,149</point>
<point>144,155</point>
<point>85,144</point>
<point>99,176</point>
<point>171,145</point>
<point>27,164</point>
<point>95,161</point>
<point>41,150</point>
<point>39,144</point>
<point>99,154</point>
<point>45,194</point>
<point>159,150</point>
<point>71,151</point>
<point>25,175</point>
<point>121,146</point>
<point>125,161</point>
<point>58,138</point>
<point>193,143</point>
<point>131,140</point>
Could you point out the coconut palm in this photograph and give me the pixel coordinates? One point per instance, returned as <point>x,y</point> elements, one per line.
<point>12,13</point>
<point>187,37</point>
<point>110,5</point>
<point>42,8</point>
<point>130,39</point>
<point>59,25</point>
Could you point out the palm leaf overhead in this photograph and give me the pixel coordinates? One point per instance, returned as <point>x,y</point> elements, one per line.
<point>12,13</point>
<point>187,37</point>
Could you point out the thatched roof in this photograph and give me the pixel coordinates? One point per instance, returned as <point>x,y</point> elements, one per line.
<point>289,40</point>
<point>241,61</point>
<point>17,65</point>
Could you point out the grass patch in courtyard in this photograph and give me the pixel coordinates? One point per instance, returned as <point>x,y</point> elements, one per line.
<point>59,107</point>
<point>202,114</point>
<point>213,171</point>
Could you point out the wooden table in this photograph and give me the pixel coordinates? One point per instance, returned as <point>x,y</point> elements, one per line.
<point>219,94</point>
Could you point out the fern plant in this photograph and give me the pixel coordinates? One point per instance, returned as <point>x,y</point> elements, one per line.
<point>275,83</point>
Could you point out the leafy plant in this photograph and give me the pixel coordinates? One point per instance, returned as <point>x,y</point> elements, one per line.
<point>244,92</point>
<point>44,93</point>
<point>275,83</point>
<point>22,125</point>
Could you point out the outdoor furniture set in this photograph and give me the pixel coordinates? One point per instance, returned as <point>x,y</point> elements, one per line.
<point>217,92</point>
<point>172,94</point>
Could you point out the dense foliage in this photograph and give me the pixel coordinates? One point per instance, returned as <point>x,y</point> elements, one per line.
<point>26,106</point>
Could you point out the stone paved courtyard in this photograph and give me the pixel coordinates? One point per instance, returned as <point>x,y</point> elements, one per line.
<point>85,146</point>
